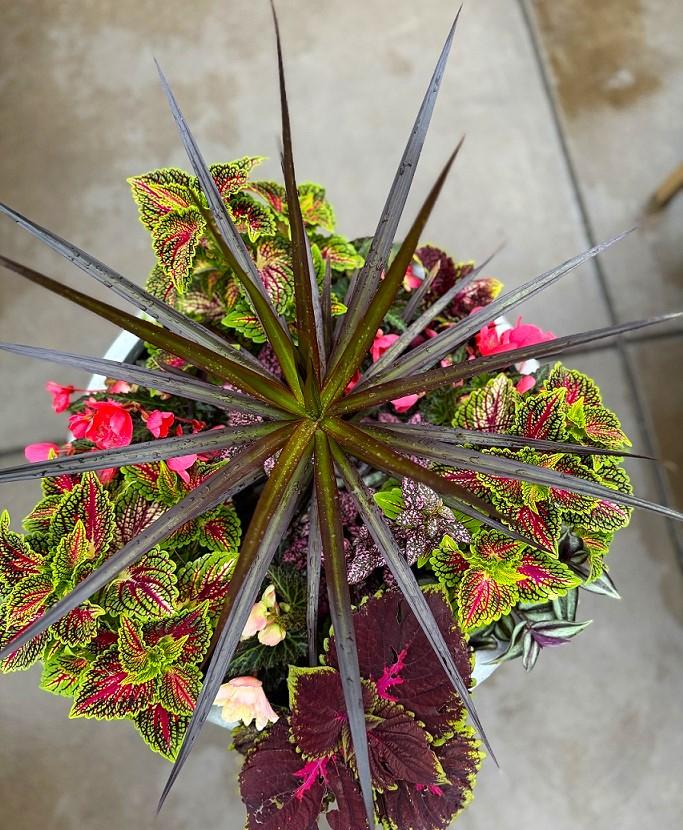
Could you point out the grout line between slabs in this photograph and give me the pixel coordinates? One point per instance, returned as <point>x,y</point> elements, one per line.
<point>642,413</point>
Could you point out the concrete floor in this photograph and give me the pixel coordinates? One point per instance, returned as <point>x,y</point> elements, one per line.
<point>572,114</point>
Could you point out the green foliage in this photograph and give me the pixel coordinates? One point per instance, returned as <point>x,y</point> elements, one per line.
<point>174,211</point>
<point>493,575</point>
<point>490,576</point>
<point>134,650</point>
<point>565,407</point>
<point>118,587</point>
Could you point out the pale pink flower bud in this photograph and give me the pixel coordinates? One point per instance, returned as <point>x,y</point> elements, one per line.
<point>243,699</point>
<point>272,634</point>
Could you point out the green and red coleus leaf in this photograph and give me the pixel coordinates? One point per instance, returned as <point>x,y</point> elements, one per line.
<point>58,485</point>
<point>541,523</point>
<point>146,588</point>
<point>25,656</point>
<point>543,577</point>
<point>175,240</point>
<point>490,409</point>
<point>189,627</point>
<point>178,688</point>
<point>606,515</point>
<point>62,673</point>
<point>220,530</point>
<point>315,209</point>
<point>28,600</point>
<point>134,512</point>
<point>481,599</point>
<point>542,416</point>
<point>79,626</point>
<point>602,427</point>
<point>74,554</point>
<point>273,260</point>
<point>153,662</point>
<point>161,192</point>
<point>106,691</point>
<point>161,730</point>
<point>140,660</point>
<point>251,217</point>
<point>89,503</point>
<point>491,577</point>
<point>17,559</point>
<point>577,386</point>
<point>339,252</point>
<point>245,321</point>
<point>38,520</point>
<point>497,552</point>
<point>233,176</point>
<point>272,192</point>
<point>206,580</point>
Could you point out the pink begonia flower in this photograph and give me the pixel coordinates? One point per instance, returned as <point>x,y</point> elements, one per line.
<point>119,387</point>
<point>380,345</point>
<point>414,276</point>
<point>263,620</point>
<point>106,423</point>
<point>41,451</point>
<point>61,395</point>
<point>525,383</point>
<point>108,475</point>
<point>243,699</point>
<point>272,634</point>
<point>181,464</point>
<point>258,620</point>
<point>405,403</point>
<point>159,422</point>
<point>499,336</point>
<point>353,382</point>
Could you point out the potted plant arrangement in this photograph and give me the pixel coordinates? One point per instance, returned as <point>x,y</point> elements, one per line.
<point>330,481</point>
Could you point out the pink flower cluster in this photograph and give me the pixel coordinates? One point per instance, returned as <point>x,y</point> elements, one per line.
<point>108,424</point>
<point>499,336</point>
<point>380,344</point>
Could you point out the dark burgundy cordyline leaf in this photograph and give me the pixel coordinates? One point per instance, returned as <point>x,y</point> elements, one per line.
<point>384,628</point>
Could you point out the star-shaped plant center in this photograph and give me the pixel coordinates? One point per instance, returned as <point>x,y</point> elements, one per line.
<point>307,418</point>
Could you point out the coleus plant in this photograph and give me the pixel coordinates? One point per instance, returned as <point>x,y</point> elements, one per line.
<point>423,757</point>
<point>98,592</point>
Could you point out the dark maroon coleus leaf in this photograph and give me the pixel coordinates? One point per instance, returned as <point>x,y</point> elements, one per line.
<point>349,811</point>
<point>415,807</point>
<point>398,746</point>
<point>400,749</point>
<point>386,628</point>
<point>447,273</point>
<point>273,789</point>
<point>318,710</point>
